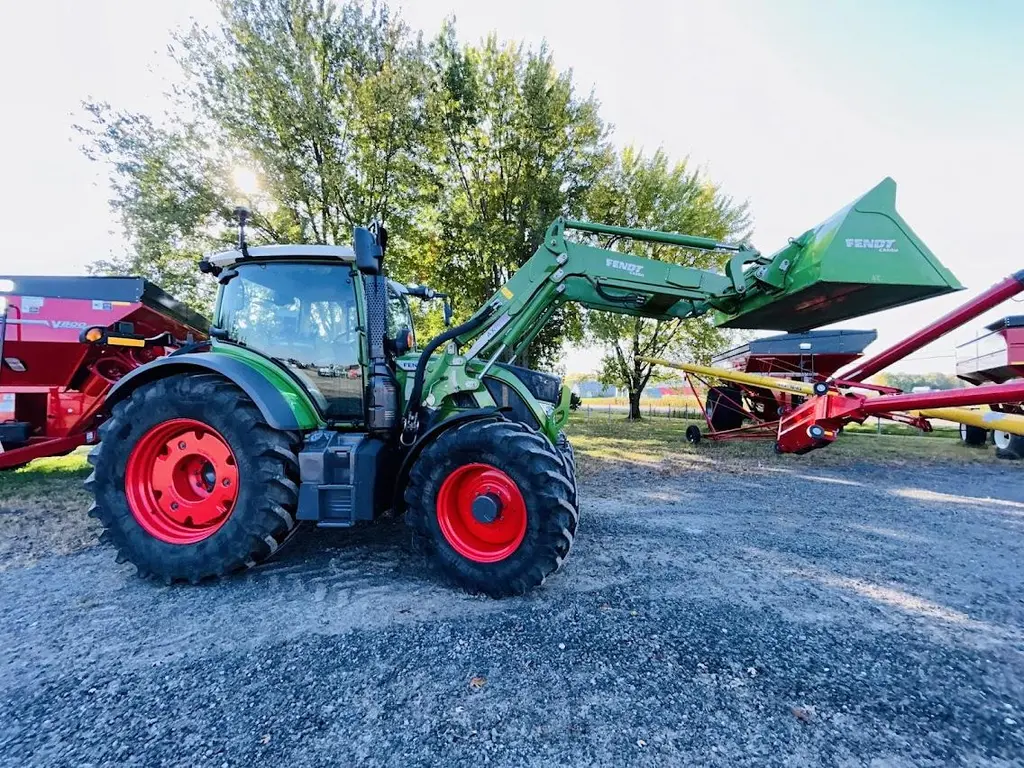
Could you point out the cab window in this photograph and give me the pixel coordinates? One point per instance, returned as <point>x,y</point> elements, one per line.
<point>304,316</point>
<point>399,315</point>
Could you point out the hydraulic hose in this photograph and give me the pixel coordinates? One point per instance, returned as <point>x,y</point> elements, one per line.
<point>415,396</point>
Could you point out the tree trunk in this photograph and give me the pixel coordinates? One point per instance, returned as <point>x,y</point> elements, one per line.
<point>634,406</point>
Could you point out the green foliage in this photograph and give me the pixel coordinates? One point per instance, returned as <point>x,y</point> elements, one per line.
<point>164,192</point>
<point>324,103</point>
<point>512,147</point>
<point>650,193</point>
<point>907,381</point>
<point>344,115</point>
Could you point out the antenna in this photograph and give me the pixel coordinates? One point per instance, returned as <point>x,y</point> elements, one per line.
<point>242,216</point>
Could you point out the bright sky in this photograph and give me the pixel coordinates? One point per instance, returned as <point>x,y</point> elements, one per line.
<point>796,106</point>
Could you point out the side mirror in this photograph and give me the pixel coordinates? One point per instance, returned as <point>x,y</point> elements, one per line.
<point>402,342</point>
<point>424,292</point>
<point>227,276</point>
<point>368,251</point>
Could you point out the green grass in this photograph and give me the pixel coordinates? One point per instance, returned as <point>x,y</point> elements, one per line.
<point>43,474</point>
<point>43,510</point>
<point>53,484</point>
<point>654,440</point>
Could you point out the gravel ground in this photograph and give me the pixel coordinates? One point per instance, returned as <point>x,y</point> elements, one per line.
<point>715,612</point>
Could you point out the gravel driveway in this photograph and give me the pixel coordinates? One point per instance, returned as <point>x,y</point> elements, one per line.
<point>717,612</point>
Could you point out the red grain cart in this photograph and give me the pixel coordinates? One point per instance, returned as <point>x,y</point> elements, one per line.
<point>52,377</point>
<point>994,357</point>
<point>735,410</point>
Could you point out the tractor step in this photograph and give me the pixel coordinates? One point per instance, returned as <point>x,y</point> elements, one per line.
<point>338,474</point>
<point>334,506</point>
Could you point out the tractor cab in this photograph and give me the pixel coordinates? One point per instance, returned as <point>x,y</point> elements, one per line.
<point>305,308</point>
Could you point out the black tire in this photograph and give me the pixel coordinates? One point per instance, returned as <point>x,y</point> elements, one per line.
<point>722,407</point>
<point>973,436</point>
<point>569,458</point>
<point>1009,447</point>
<point>263,513</point>
<point>538,471</point>
<point>693,434</point>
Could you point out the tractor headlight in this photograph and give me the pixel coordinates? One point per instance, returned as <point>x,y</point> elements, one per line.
<point>6,286</point>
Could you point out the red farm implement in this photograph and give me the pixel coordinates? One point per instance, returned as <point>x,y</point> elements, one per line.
<point>809,412</point>
<point>995,356</point>
<point>738,409</point>
<point>64,342</point>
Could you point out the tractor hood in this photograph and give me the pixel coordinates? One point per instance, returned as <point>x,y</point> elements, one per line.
<point>863,259</point>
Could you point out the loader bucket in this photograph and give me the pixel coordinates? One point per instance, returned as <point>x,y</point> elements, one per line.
<point>863,259</point>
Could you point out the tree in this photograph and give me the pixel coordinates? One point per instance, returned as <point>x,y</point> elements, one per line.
<point>324,103</point>
<point>512,148</point>
<point>650,193</point>
<point>907,381</point>
<point>165,193</point>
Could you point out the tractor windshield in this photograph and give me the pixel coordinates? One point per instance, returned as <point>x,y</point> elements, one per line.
<point>305,316</point>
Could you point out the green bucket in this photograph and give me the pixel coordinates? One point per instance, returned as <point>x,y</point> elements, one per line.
<point>863,259</point>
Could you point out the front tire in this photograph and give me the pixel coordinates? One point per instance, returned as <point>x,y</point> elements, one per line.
<point>491,502</point>
<point>191,482</point>
<point>569,457</point>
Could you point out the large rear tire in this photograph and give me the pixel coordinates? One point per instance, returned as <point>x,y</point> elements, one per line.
<point>492,504</point>
<point>191,482</point>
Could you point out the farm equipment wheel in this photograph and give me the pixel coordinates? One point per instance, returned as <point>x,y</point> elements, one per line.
<point>1008,446</point>
<point>191,482</point>
<point>491,502</point>
<point>569,457</point>
<point>973,436</point>
<point>693,434</point>
<point>722,406</point>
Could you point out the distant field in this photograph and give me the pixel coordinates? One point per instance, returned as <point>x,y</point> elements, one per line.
<point>689,407</point>
<point>654,438</point>
<point>668,401</point>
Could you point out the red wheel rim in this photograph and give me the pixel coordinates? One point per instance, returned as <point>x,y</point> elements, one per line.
<point>181,481</point>
<point>476,540</point>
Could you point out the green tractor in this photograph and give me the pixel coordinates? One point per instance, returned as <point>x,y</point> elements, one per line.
<point>312,401</point>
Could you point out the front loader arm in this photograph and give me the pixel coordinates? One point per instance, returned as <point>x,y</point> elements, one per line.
<point>562,271</point>
<point>842,268</point>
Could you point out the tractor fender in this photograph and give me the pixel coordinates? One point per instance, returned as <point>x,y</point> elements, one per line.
<point>271,403</point>
<point>462,417</point>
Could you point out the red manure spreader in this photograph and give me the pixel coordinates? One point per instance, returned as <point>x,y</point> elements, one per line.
<point>64,342</point>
